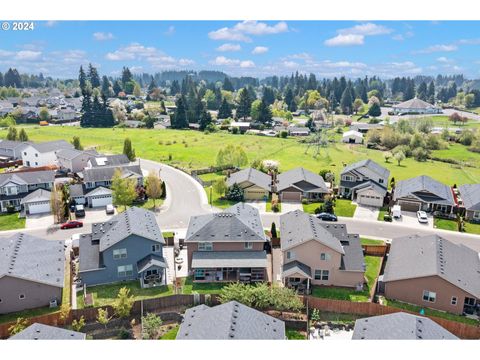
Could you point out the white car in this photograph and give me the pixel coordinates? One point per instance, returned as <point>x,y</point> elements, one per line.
<point>109,209</point>
<point>422,217</point>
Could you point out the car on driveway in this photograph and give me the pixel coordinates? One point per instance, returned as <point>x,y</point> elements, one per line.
<point>327,217</point>
<point>109,209</point>
<point>79,211</point>
<point>71,224</point>
<point>422,217</point>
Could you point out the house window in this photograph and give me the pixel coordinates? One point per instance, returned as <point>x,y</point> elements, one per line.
<point>324,256</point>
<point>454,300</point>
<point>380,181</point>
<point>119,254</point>
<point>199,274</point>
<point>290,255</point>
<point>348,178</point>
<point>476,214</point>
<point>156,248</point>
<point>21,296</point>
<point>36,154</point>
<point>25,153</point>
<point>205,246</point>
<point>429,296</point>
<point>321,275</point>
<point>125,270</point>
<point>248,245</point>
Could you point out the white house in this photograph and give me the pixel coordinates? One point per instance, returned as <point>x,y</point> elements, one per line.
<point>352,137</point>
<point>43,154</point>
<point>416,106</point>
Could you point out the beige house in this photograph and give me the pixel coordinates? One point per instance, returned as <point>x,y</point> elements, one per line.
<point>319,253</point>
<point>255,184</point>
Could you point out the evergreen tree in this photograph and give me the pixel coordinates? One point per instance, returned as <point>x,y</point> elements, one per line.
<point>86,119</point>
<point>76,143</point>
<point>205,120</point>
<point>128,150</point>
<point>105,86</point>
<point>126,76</point>
<point>179,120</point>
<point>375,110</point>
<point>244,105</point>
<point>269,95</point>
<point>22,136</point>
<point>1,79</point>
<point>82,79</point>
<point>12,79</point>
<point>225,110</point>
<point>152,85</point>
<point>264,113</point>
<point>346,101</point>
<point>93,76</point>
<point>422,91</point>
<point>117,87</point>
<point>409,91</point>
<point>431,92</point>
<point>227,85</point>
<point>235,193</point>
<point>289,98</point>
<point>174,88</point>
<point>12,133</point>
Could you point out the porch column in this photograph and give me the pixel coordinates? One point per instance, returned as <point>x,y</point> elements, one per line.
<point>308,284</point>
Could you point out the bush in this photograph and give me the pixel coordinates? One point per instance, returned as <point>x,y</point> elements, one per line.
<point>235,193</point>
<point>420,154</point>
<point>283,134</point>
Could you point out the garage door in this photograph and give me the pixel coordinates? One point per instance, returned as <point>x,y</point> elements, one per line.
<point>409,205</point>
<point>291,196</point>
<point>39,208</point>
<point>101,201</point>
<point>254,195</point>
<point>370,200</point>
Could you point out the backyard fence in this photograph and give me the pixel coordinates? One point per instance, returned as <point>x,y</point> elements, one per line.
<point>375,250</point>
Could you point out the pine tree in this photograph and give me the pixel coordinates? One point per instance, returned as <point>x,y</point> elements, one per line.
<point>244,105</point>
<point>431,93</point>
<point>289,98</point>
<point>264,113</point>
<point>346,101</point>
<point>128,149</point>
<point>375,110</point>
<point>82,79</point>
<point>105,86</point>
<point>117,87</point>
<point>86,120</point>
<point>22,136</point>
<point>205,120</point>
<point>225,110</point>
<point>93,76</point>
<point>126,76</point>
<point>227,85</point>
<point>179,120</point>
<point>422,91</point>
<point>76,143</point>
<point>152,85</point>
<point>12,133</point>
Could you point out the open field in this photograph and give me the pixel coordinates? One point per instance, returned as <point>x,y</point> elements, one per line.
<point>193,149</point>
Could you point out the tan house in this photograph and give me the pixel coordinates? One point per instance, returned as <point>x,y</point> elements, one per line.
<point>299,183</point>
<point>227,246</point>
<point>433,272</point>
<point>255,184</point>
<point>319,253</point>
<point>470,197</point>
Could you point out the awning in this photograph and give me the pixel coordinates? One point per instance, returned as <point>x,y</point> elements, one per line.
<point>149,261</point>
<point>296,268</point>
<point>235,259</point>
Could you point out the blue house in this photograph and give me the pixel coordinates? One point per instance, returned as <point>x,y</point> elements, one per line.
<point>127,247</point>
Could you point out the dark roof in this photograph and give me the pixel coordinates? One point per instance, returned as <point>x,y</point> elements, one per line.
<point>251,175</point>
<point>32,258</point>
<point>399,326</point>
<point>76,190</point>
<point>28,177</point>
<point>371,165</point>
<point>419,186</point>
<point>71,154</point>
<point>89,258</point>
<point>230,321</point>
<point>413,257</point>
<point>109,160</point>
<point>38,331</point>
<point>149,261</point>
<point>302,179</point>
<point>218,259</point>
<point>470,195</point>
<point>49,146</point>
<point>296,266</point>
<point>106,173</point>
<point>9,144</point>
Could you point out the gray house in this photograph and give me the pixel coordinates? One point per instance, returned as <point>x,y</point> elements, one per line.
<point>470,195</point>
<point>31,273</point>
<point>399,326</point>
<point>364,182</point>
<point>107,160</point>
<point>229,321</point>
<point>38,331</point>
<point>73,160</point>
<point>424,193</point>
<point>298,184</point>
<point>127,247</point>
<point>11,150</point>
<point>255,184</point>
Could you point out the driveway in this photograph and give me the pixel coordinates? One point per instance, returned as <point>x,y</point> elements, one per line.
<point>168,254</point>
<point>260,205</point>
<point>291,206</point>
<point>95,215</point>
<point>366,212</point>
<point>38,221</point>
<point>409,219</point>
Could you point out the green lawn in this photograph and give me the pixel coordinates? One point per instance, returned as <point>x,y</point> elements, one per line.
<point>293,334</point>
<point>190,287</point>
<point>472,228</point>
<point>171,334</point>
<point>460,153</point>
<point>106,294</point>
<point>11,222</point>
<point>202,150</point>
<point>214,199</point>
<point>27,314</point>
<point>383,211</point>
<point>365,241</point>
<point>344,207</point>
<point>445,224</point>
<point>310,208</point>
<point>212,176</point>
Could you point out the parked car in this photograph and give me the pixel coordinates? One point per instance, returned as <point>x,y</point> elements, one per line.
<point>79,211</point>
<point>397,211</point>
<point>327,217</point>
<point>109,209</point>
<point>422,217</point>
<point>71,224</point>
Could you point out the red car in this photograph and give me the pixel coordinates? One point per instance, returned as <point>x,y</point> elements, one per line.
<point>71,224</point>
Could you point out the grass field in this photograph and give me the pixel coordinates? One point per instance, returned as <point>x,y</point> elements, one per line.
<point>193,149</point>
<point>11,222</point>
<point>189,287</point>
<point>472,228</point>
<point>445,224</point>
<point>293,334</point>
<point>343,207</point>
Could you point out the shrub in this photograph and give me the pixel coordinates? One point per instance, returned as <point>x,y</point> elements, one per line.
<point>283,134</point>
<point>235,193</point>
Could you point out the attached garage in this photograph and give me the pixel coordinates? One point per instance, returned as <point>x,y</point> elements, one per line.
<point>38,208</point>
<point>409,205</point>
<point>37,202</point>
<point>99,197</point>
<point>291,196</point>
<point>255,193</point>
<point>369,197</point>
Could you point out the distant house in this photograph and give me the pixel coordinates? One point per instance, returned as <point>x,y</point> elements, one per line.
<point>38,331</point>
<point>364,127</point>
<point>73,160</point>
<point>352,137</point>
<point>298,184</point>
<point>129,246</point>
<point>424,193</point>
<point>399,326</point>
<point>319,253</point>
<point>107,160</point>
<point>229,321</point>
<point>255,184</point>
<point>416,106</point>
<point>133,123</point>
<point>28,192</point>
<point>365,182</point>
<point>31,272</point>
<point>433,272</point>
<point>241,125</point>
<point>298,131</point>
<point>12,150</point>
<point>470,195</point>
<point>66,114</point>
<point>227,246</point>
<point>43,154</point>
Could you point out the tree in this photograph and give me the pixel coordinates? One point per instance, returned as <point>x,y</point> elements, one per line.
<point>102,317</point>
<point>106,90</point>
<point>205,120</point>
<point>357,104</point>
<point>128,149</point>
<point>57,204</point>
<point>117,88</point>
<point>20,325</point>
<point>455,117</point>
<point>12,133</point>
<point>235,193</point>
<point>273,230</point>
<point>124,302</point>
<point>387,155</point>
<point>153,187</point>
<point>227,85</point>
<point>126,76</point>
<point>232,155</point>
<point>375,110</point>
<point>77,325</point>
<point>137,91</point>
<point>244,105</point>
<point>469,100</point>
<point>82,79</point>
<point>76,143</point>
<point>225,110</point>
<point>43,114</point>
<point>22,136</point>
<point>179,119</point>
<point>399,157</point>
<point>220,186</point>
<point>422,91</point>
<point>124,189</point>
<point>264,113</point>
<point>346,101</point>
<point>93,76</point>
<point>151,324</point>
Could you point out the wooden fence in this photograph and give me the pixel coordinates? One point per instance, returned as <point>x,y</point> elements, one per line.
<point>375,250</point>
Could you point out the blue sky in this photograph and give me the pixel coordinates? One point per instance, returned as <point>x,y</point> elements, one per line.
<point>256,48</point>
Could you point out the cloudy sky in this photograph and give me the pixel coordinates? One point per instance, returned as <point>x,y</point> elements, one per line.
<point>256,48</point>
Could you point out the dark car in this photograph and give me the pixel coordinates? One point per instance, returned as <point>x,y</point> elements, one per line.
<point>71,225</point>
<point>327,217</point>
<point>79,211</point>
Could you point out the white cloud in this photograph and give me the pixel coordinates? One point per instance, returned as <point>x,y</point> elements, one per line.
<point>247,64</point>
<point>439,48</point>
<point>186,62</point>
<point>345,40</point>
<point>5,53</point>
<point>259,50</point>
<point>443,59</point>
<point>101,36</point>
<point>229,47</point>
<point>28,55</point>
<point>243,31</point>
<point>355,35</point>
<point>170,31</point>
<point>290,64</point>
<point>224,61</point>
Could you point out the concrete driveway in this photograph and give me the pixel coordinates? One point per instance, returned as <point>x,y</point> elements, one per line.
<point>409,219</point>
<point>258,204</point>
<point>366,212</point>
<point>94,215</point>
<point>38,221</point>
<point>291,206</point>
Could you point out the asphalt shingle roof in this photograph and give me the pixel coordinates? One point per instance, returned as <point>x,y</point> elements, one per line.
<point>37,195</point>
<point>109,160</point>
<point>106,173</point>
<point>9,144</point>
<point>28,177</point>
<point>38,331</point>
<point>251,175</point>
<point>371,165</point>
<point>301,175</point>
<point>296,267</point>
<point>149,261</point>
<point>414,187</point>
<point>51,146</point>
<point>230,321</point>
<point>414,103</point>
<point>470,194</point>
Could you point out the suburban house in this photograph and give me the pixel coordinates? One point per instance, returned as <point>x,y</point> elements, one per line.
<point>298,184</point>
<point>365,182</point>
<point>319,253</point>
<point>415,106</point>
<point>43,154</point>
<point>66,114</point>
<point>227,246</point>
<point>298,131</point>
<point>433,272</point>
<point>107,160</point>
<point>28,192</point>
<point>229,321</point>
<point>32,269</point>
<point>73,160</point>
<point>255,184</point>
<point>129,246</point>
<point>12,150</point>
<point>364,127</point>
<point>38,331</point>
<point>399,326</point>
<point>352,137</point>
<point>424,193</point>
<point>470,196</point>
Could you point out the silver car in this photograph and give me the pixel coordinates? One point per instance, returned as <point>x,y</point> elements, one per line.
<point>422,217</point>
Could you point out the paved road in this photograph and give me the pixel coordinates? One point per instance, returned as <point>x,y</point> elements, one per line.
<point>446,112</point>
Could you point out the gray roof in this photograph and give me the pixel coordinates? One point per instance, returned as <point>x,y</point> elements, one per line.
<point>414,103</point>
<point>230,321</point>
<point>302,179</point>
<point>76,190</point>
<point>32,258</point>
<point>296,266</point>
<point>36,196</point>
<point>214,259</point>
<point>28,177</point>
<point>38,331</point>
<point>9,144</point>
<point>417,186</point>
<point>106,173</point>
<point>151,260</point>
<point>416,257</point>
<point>371,165</point>
<point>240,222</point>
<point>89,258</point>
<point>399,326</point>
<point>99,191</point>
<point>470,194</point>
<point>251,175</point>
<point>49,146</point>
<point>109,160</point>
<point>71,154</point>
<point>379,189</point>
